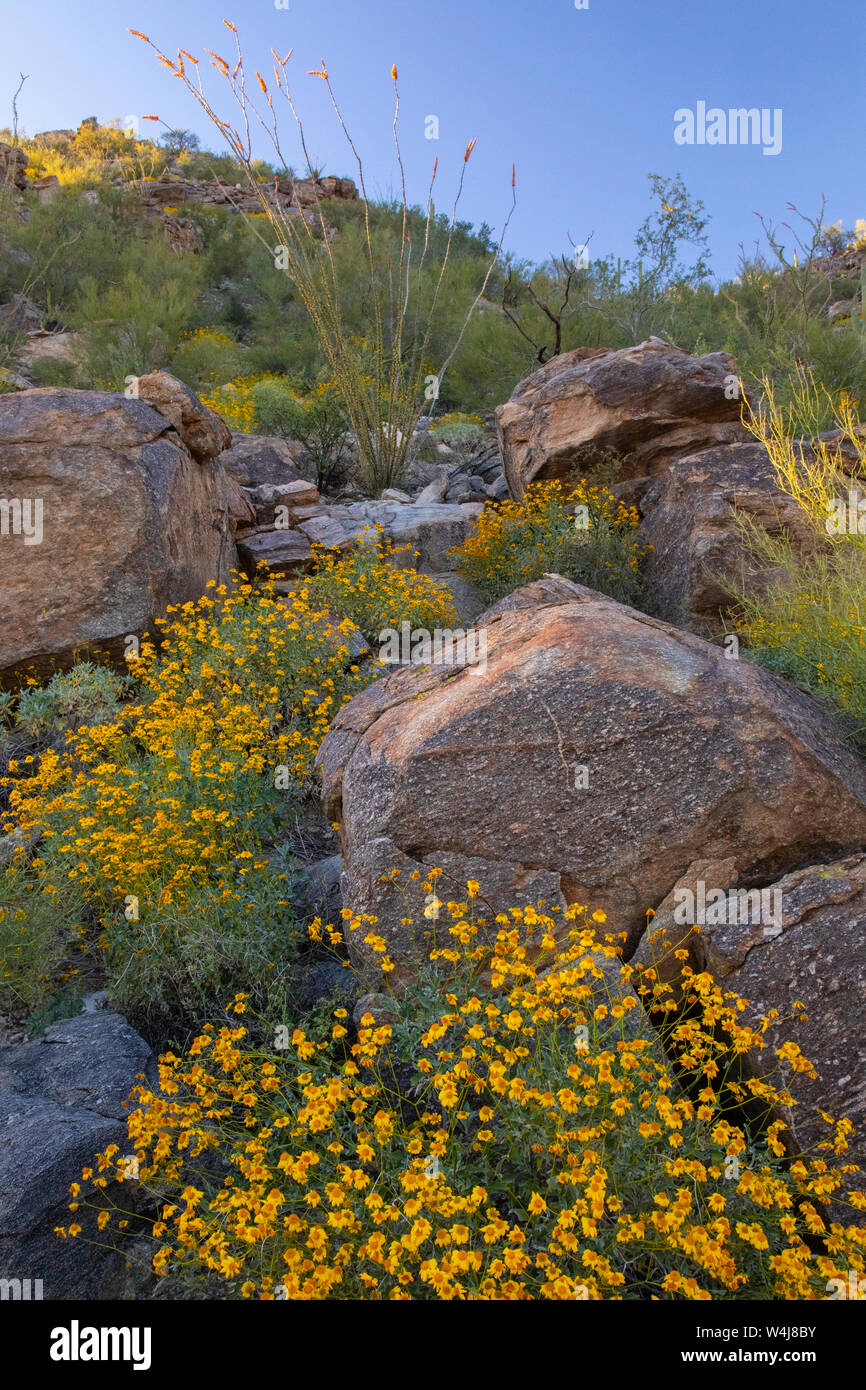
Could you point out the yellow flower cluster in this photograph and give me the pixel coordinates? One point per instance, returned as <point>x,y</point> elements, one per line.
<point>813,645</point>
<point>159,799</point>
<point>234,401</point>
<point>206,335</point>
<point>456,417</point>
<point>513,543</point>
<point>541,1148</point>
<point>373,586</point>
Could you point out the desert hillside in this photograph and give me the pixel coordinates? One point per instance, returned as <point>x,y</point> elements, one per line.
<point>432,734</point>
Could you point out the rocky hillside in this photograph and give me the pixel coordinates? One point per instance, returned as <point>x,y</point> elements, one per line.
<point>661,822</point>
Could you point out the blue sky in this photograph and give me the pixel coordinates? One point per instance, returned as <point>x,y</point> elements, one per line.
<point>582,101</point>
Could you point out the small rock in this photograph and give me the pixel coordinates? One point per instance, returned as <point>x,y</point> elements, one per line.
<point>433,492</point>
<point>282,552</point>
<point>463,492</point>
<point>395,494</point>
<point>323,530</point>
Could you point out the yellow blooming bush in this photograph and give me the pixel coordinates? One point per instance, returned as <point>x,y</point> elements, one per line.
<point>235,401</point>
<point>509,1129</point>
<point>158,816</point>
<point>456,417</point>
<point>584,533</point>
<point>459,431</point>
<point>206,356</point>
<point>372,587</point>
<point>808,622</point>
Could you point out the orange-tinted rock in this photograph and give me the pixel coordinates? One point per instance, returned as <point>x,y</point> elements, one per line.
<point>129,524</point>
<point>648,403</point>
<point>598,745</point>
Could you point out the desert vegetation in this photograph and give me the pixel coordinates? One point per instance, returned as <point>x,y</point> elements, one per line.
<point>404,1052</point>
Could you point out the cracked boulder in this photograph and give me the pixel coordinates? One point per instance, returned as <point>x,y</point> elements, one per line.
<point>800,952</point>
<point>690,520</point>
<point>107,519</point>
<point>595,746</point>
<point>647,403</point>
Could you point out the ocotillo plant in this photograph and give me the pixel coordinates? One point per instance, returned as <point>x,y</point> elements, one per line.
<point>387,379</point>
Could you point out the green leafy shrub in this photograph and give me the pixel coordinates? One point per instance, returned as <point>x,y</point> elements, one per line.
<point>207,357</point>
<point>317,421</point>
<point>42,939</point>
<point>463,433</point>
<point>87,694</point>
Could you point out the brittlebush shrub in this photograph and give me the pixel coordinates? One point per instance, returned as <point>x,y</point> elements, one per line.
<point>207,356</point>
<point>808,622</point>
<point>373,588</point>
<point>461,432</point>
<point>511,1132</point>
<point>158,817</point>
<point>235,401</point>
<point>584,533</point>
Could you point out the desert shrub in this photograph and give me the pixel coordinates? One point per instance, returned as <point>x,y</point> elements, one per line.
<point>42,939</point>
<point>96,154</point>
<point>807,621</point>
<point>87,694</point>
<point>585,534</point>
<point>373,587</point>
<point>53,371</point>
<point>316,420</point>
<point>131,324</point>
<point>235,401</point>
<point>207,356</point>
<point>512,1132</point>
<point>464,433</point>
<point>158,816</point>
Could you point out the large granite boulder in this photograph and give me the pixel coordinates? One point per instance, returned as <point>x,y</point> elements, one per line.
<point>648,404</point>
<point>107,519</point>
<point>204,433</point>
<point>594,744</point>
<point>801,954</point>
<point>690,513</point>
<point>254,459</point>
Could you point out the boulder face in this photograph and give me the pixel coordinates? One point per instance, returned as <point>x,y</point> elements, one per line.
<point>689,520</point>
<point>597,745</point>
<point>204,433</point>
<point>256,459</point>
<point>106,519</point>
<point>812,956</point>
<point>62,1100</point>
<point>648,403</point>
